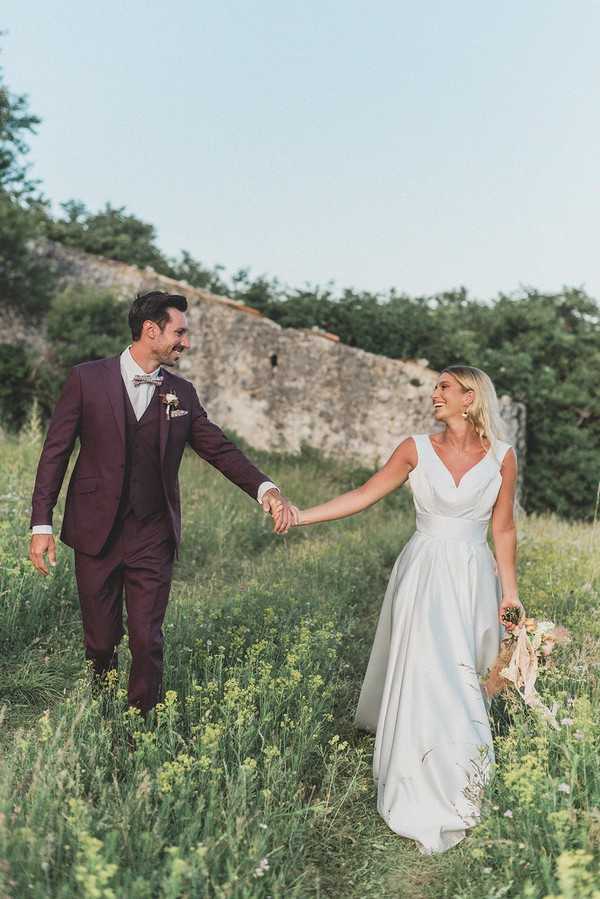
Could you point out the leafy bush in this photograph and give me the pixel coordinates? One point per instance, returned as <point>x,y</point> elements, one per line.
<point>117,234</point>
<point>85,323</point>
<point>545,351</point>
<point>16,390</point>
<point>186,268</point>
<point>110,232</point>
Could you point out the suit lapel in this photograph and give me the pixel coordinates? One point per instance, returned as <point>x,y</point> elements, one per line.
<point>114,388</point>
<point>165,422</point>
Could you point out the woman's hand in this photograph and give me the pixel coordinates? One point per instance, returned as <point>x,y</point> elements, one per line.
<point>511,603</point>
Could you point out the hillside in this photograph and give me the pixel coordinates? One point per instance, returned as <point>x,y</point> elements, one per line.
<point>252,782</point>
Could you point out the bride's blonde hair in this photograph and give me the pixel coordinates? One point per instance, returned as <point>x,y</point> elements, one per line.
<point>484,411</point>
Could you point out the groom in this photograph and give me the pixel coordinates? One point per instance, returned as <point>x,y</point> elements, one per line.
<point>133,418</point>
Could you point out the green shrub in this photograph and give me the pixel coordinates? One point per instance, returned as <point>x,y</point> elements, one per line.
<point>27,280</point>
<point>16,389</point>
<point>85,323</point>
<point>110,232</point>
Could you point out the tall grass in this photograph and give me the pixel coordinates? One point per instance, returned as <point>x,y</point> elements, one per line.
<point>249,780</point>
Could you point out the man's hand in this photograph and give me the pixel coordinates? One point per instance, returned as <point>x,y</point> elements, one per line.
<point>41,545</point>
<point>275,504</point>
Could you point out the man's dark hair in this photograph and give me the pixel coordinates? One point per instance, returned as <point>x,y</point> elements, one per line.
<point>154,307</point>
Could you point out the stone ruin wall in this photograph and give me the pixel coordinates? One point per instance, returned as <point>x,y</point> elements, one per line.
<point>280,388</point>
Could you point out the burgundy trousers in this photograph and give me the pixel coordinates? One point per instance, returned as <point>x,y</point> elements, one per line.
<point>138,558</point>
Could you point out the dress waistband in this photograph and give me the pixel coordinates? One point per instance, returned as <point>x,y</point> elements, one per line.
<point>465,530</point>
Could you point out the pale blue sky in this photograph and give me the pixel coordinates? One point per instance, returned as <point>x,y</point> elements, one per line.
<point>417,145</point>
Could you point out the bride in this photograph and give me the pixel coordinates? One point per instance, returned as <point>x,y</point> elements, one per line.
<point>441,620</point>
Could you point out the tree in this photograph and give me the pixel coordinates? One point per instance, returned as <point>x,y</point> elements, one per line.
<point>186,268</point>
<point>16,124</point>
<point>544,349</point>
<point>110,232</point>
<point>117,234</point>
<point>26,280</point>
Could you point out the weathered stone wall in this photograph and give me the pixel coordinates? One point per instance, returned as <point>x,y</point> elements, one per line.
<point>280,387</point>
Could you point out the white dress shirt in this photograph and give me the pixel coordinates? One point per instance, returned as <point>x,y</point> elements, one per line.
<point>140,396</point>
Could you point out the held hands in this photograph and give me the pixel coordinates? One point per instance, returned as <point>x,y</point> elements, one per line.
<point>293,520</point>
<point>280,508</point>
<point>40,546</point>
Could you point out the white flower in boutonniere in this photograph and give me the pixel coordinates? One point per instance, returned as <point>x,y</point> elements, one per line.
<point>171,401</point>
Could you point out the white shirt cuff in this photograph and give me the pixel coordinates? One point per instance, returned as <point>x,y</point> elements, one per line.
<point>41,529</point>
<point>266,485</point>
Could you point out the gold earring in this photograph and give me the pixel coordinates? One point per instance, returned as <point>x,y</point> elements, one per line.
<point>465,413</point>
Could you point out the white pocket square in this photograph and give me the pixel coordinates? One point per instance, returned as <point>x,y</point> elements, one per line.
<point>176,412</point>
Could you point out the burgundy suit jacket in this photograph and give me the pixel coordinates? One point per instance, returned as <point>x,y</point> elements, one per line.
<point>92,407</point>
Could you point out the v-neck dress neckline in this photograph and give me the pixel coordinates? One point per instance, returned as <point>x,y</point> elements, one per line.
<point>445,467</point>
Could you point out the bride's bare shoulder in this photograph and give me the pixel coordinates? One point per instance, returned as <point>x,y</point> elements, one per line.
<point>406,452</point>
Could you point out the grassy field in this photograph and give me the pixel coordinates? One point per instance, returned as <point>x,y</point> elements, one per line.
<point>250,781</point>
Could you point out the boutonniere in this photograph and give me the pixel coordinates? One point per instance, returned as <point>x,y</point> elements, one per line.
<point>171,402</point>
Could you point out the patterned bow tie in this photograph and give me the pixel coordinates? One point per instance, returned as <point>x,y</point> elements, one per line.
<point>147,379</point>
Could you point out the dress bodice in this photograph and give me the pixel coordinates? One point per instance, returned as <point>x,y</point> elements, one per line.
<point>436,494</point>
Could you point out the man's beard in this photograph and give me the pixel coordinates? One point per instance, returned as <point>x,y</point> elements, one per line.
<point>168,361</point>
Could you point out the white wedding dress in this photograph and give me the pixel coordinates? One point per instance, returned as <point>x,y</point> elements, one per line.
<point>438,631</point>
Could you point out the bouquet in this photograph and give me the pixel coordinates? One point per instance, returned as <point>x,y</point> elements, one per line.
<point>518,660</point>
